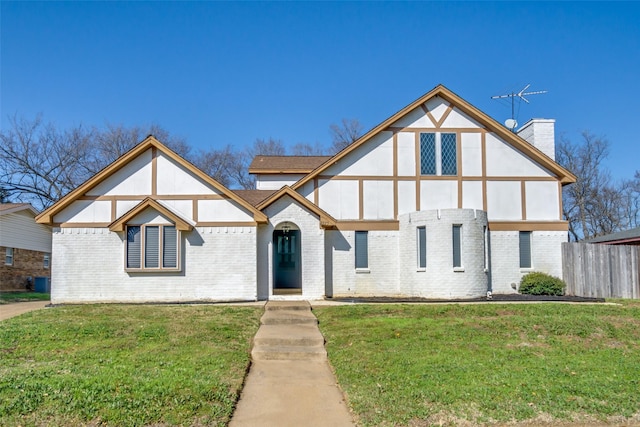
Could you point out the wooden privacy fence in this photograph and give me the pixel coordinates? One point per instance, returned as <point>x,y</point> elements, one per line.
<point>601,271</point>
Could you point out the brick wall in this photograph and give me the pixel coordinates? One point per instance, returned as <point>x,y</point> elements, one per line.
<point>218,264</point>
<point>380,279</point>
<point>546,256</point>
<point>26,263</point>
<point>440,279</point>
<point>313,249</point>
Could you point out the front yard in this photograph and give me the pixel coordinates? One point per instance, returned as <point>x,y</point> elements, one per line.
<point>122,365</point>
<point>422,365</point>
<point>400,365</point>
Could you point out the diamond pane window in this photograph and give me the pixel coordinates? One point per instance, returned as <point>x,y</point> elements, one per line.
<point>427,153</point>
<point>449,159</point>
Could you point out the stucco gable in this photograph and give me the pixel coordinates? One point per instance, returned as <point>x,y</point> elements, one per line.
<point>181,223</point>
<point>440,105</point>
<point>136,160</point>
<point>326,220</point>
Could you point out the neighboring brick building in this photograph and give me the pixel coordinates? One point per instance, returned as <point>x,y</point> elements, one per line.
<point>437,201</point>
<point>25,247</point>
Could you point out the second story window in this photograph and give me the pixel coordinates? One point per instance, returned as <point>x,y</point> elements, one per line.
<point>438,154</point>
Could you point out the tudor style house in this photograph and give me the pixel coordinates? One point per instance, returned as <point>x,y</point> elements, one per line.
<point>437,201</point>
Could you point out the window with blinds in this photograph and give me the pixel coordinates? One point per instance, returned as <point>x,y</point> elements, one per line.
<point>151,246</point>
<point>525,249</point>
<point>362,249</point>
<point>157,250</point>
<point>134,245</point>
<point>170,247</point>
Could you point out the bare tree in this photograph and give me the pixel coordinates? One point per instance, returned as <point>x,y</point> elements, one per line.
<point>115,140</point>
<point>343,134</point>
<point>239,165</point>
<point>304,149</point>
<point>594,205</point>
<point>40,163</point>
<point>217,164</point>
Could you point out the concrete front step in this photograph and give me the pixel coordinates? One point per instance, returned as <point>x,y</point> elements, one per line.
<point>281,352</point>
<point>288,335</point>
<point>288,305</point>
<point>288,317</point>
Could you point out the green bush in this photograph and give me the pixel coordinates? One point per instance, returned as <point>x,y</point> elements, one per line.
<point>541,284</point>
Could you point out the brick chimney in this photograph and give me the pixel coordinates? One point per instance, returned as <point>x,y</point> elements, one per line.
<point>540,133</point>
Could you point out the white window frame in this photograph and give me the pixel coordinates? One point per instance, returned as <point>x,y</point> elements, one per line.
<point>46,261</point>
<point>358,249</point>
<point>460,267</point>
<point>419,251</point>
<point>143,249</point>
<point>485,231</point>
<point>8,256</point>
<point>520,254</point>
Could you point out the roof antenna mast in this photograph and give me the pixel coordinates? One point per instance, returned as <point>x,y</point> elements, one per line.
<point>512,123</point>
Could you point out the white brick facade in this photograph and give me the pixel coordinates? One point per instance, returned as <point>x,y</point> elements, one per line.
<point>380,279</point>
<point>218,264</point>
<point>546,256</point>
<point>287,210</point>
<point>440,279</point>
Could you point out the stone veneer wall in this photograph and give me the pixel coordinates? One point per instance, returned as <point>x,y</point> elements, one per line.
<point>26,263</point>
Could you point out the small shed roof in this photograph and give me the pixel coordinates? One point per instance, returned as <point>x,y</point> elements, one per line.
<point>627,237</point>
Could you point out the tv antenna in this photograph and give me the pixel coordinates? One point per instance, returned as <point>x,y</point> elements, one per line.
<point>512,123</point>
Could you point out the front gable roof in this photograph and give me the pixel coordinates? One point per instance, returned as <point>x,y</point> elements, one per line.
<point>326,220</point>
<point>46,217</point>
<point>442,92</point>
<point>182,224</point>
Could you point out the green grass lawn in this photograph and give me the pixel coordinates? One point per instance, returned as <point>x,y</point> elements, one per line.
<point>122,365</point>
<point>424,365</point>
<point>8,297</point>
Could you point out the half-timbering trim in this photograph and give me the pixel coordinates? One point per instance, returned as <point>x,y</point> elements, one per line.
<point>150,142</point>
<point>562,174</point>
<point>180,223</point>
<point>528,225</point>
<point>383,225</point>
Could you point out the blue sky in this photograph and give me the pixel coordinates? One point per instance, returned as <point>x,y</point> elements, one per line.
<point>228,73</point>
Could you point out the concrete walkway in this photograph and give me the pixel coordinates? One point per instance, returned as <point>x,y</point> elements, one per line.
<point>17,308</point>
<point>290,382</point>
